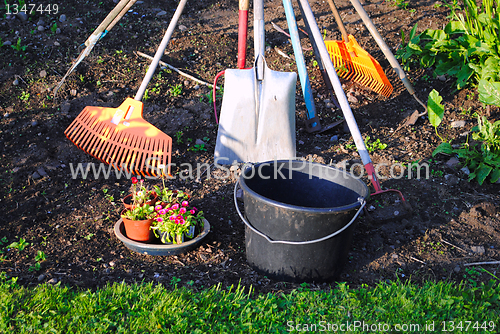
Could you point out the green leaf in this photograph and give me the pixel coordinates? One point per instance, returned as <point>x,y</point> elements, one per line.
<point>444,148</point>
<point>413,32</point>
<point>495,175</point>
<point>435,108</point>
<point>463,76</point>
<point>489,92</point>
<point>482,172</point>
<point>454,27</point>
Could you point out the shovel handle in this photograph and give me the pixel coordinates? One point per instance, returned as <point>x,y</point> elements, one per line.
<point>244,5</point>
<point>338,19</point>
<point>242,32</point>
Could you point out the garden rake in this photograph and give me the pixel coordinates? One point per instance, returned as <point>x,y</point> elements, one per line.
<point>120,136</point>
<point>402,207</point>
<point>354,63</point>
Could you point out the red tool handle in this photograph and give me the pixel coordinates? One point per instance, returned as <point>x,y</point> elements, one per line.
<point>242,33</point>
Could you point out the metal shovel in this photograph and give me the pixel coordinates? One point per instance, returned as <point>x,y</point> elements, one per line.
<point>257,119</point>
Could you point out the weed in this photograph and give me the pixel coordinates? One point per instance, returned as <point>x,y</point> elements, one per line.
<point>44,242</point>
<point>18,46</point>
<point>175,90</point>
<point>36,267</point>
<point>81,77</point>
<point>178,137</point>
<point>19,245</point>
<point>197,148</point>
<point>100,60</point>
<point>89,236</point>
<point>25,96</point>
<point>435,110</point>
<point>437,173</point>
<point>483,162</point>
<point>53,28</point>
<point>107,196</point>
<point>146,94</point>
<point>473,274</point>
<point>376,145</point>
<point>40,256</point>
<point>174,281</point>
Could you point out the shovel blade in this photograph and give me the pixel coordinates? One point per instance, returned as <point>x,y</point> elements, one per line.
<point>257,124</point>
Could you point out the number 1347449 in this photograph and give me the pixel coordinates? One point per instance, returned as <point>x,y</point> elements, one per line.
<point>32,8</point>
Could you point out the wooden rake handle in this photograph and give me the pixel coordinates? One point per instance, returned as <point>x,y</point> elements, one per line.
<point>106,22</point>
<point>340,24</point>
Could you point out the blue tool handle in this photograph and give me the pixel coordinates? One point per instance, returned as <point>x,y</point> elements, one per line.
<point>299,59</point>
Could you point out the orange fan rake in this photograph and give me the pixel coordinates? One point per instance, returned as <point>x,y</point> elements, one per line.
<point>354,63</point>
<point>122,138</point>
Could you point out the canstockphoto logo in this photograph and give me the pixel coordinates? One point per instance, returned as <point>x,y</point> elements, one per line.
<point>278,170</point>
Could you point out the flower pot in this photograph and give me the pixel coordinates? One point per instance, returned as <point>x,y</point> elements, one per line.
<point>128,201</point>
<point>191,233</point>
<point>179,239</point>
<point>138,230</point>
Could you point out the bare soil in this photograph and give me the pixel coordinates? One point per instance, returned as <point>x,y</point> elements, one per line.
<point>454,222</point>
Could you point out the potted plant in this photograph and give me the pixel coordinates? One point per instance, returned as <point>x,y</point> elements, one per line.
<point>174,223</point>
<point>139,196</point>
<point>137,222</point>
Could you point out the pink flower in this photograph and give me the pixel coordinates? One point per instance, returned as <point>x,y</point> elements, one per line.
<point>162,212</point>
<point>185,203</point>
<point>192,211</point>
<point>182,210</point>
<point>158,208</point>
<point>159,219</point>
<point>172,217</point>
<point>134,180</point>
<point>175,206</point>
<point>195,209</point>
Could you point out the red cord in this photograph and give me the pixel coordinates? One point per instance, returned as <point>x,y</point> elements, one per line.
<point>213,94</point>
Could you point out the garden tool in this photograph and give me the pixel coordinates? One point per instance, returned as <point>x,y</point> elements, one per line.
<point>387,52</point>
<point>348,115</point>
<point>120,136</point>
<point>242,32</point>
<point>109,22</point>
<point>326,79</point>
<point>354,63</point>
<point>257,119</point>
<point>312,123</point>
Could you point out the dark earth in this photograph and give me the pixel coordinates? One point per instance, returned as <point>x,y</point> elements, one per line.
<point>454,222</point>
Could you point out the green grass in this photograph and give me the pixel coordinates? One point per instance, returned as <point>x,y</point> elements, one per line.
<point>148,308</point>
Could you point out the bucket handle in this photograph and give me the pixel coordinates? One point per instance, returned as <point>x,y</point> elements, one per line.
<point>361,200</point>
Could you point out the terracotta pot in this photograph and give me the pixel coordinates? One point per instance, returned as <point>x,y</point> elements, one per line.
<point>127,200</point>
<point>138,230</point>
